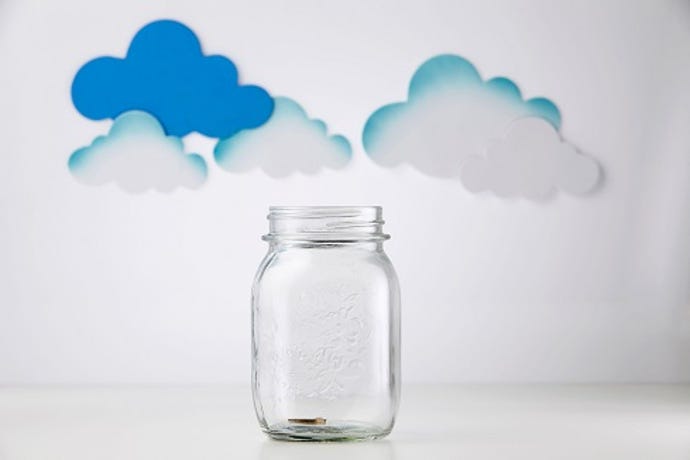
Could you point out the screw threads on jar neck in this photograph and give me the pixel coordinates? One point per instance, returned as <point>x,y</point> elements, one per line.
<point>325,224</point>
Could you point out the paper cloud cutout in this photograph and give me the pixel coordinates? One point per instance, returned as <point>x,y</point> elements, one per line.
<point>138,156</point>
<point>289,142</point>
<point>531,161</point>
<point>166,74</point>
<point>451,113</point>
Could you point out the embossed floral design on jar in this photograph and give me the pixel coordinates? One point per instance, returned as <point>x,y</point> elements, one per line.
<point>326,326</point>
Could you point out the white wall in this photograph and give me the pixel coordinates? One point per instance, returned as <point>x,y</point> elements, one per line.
<point>100,286</point>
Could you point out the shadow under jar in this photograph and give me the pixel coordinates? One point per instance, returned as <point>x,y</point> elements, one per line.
<point>326,326</point>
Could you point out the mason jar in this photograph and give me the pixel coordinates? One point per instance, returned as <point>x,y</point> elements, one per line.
<point>326,326</point>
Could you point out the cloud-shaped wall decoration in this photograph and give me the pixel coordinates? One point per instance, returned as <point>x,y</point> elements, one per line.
<point>138,156</point>
<point>531,161</point>
<point>451,113</point>
<point>166,74</point>
<point>289,142</point>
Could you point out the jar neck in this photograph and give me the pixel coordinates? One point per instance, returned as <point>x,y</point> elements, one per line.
<point>279,245</point>
<point>325,226</point>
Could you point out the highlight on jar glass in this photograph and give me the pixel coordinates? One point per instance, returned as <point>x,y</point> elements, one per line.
<point>326,326</point>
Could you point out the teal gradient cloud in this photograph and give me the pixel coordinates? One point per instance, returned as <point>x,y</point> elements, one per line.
<point>138,156</point>
<point>450,112</point>
<point>289,142</point>
<point>452,73</point>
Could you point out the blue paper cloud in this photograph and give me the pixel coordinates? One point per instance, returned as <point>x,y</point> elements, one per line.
<point>450,113</point>
<point>138,156</point>
<point>166,74</point>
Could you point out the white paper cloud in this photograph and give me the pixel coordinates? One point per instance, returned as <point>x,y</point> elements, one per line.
<point>451,113</point>
<point>289,142</point>
<point>138,156</point>
<point>531,161</point>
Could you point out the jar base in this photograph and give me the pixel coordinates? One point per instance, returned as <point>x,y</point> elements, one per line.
<point>336,431</point>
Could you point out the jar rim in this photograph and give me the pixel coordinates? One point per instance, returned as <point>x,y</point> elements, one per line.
<point>331,210</point>
<point>325,223</point>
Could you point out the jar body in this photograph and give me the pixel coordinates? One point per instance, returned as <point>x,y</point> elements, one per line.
<point>326,341</point>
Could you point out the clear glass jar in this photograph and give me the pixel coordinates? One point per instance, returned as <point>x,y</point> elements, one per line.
<point>326,326</point>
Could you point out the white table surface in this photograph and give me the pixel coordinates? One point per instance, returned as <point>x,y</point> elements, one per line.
<point>650,422</point>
